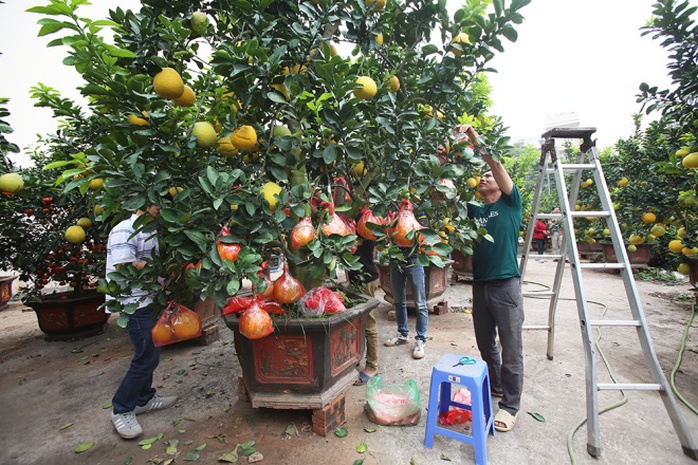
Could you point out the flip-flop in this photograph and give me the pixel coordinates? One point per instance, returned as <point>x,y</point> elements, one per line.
<point>363,379</point>
<point>497,394</point>
<point>506,419</point>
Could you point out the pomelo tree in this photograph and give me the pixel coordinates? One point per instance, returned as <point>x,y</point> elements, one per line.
<point>240,116</point>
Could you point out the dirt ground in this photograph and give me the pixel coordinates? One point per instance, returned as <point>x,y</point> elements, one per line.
<point>53,394</point>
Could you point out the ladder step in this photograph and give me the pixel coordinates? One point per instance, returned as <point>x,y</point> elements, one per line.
<point>614,323</point>
<point>537,328</point>
<point>594,214</point>
<point>546,256</point>
<point>577,166</point>
<point>629,386</point>
<point>550,216</point>
<point>602,266</point>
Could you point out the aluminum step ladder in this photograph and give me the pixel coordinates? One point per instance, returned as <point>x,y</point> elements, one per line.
<point>587,160</point>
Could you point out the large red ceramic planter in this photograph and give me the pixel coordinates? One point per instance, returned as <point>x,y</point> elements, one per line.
<point>5,290</point>
<point>586,249</point>
<point>434,284</point>
<point>62,317</point>
<point>306,362</point>
<point>638,259</point>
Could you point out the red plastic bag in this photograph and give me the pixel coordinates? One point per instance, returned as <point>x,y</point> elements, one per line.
<point>321,300</point>
<point>176,323</point>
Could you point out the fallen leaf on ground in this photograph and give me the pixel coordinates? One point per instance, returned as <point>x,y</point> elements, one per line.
<point>362,447</point>
<point>230,457</point>
<point>290,431</point>
<point>537,416</point>
<point>256,457</point>
<point>67,425</point>
<point>341,432</point>
<point>191,457</point>
<point>83,447</point>
<point>368,429</point>
<point>445,458</point>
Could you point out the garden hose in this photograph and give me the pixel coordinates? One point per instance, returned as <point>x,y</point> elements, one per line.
<point>624,399</point>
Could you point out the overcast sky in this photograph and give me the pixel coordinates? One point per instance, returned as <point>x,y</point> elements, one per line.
<point>571,56</point>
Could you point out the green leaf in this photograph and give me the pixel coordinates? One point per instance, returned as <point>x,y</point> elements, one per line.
<point>83,447</point>
<point>145,442</point>
<point>107,405</point>
<point>67,425</point>
<point>537,416</point>
<point>191,457</point>
<point>358,462</point>
<point>230,457</point>
<point>362,447</point>
<point>368,429</point>
<point>341,432</point>
<point>22,381</point>
<point>247,451</point>
<point>201,447</point>
<point>444,458</point>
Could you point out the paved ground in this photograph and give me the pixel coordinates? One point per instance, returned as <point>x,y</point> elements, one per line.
<point>45,386</point>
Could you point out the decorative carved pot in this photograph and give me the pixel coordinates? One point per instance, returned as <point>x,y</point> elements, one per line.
<point>63,317</point>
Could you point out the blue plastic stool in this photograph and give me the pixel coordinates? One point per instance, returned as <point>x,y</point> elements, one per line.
<point>476,379</point>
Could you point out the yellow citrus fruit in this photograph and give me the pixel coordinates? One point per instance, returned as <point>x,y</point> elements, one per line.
<point>377,4</point>
<point>187,98</point>
<point>96,184</point>
<point>379,39</point>
<point>75,234</point>
<point>11,182</point>
<point>684,268</point>
<point>244,138</point>
<point>359,169</point>
<point>282,89</point>
<point>471,182</point>
<point>98,210</point>
<point>461,38</point>
<point>226,148</point>
<point>162,334</point>
<point>681,232</point>
<point>688,251</point>
<point>368,89</point>
<point>622,182</point>
<point>174,191</point>
<point>682,152</point>
<point>658,230</point>
<point>205,134</point>
<point>675,246</point>
<point>690,160</point>
<point>333,50</point>
<point>199,21</point>
<point>635,239</point>
<point>84,223</point>
<point>393,84</point>
<point>649,217</point>
<point>236,105</point>
<point>632,248</point>
<point>137,120</point>
<point>168,84</point>
<point>187,326</point>
<point>606,232</point>
<point>268,191</point>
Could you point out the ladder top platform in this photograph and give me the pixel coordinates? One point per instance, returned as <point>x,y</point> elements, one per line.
<point>569,133</point>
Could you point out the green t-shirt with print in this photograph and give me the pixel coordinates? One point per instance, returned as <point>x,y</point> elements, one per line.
<point>502,219</point>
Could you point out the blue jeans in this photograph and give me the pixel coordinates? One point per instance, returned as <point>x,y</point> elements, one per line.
<point>137,386</point>
<point>398,281</point>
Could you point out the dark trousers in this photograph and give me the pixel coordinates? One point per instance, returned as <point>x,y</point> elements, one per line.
<point>541,246</point>
<point>498,310</point>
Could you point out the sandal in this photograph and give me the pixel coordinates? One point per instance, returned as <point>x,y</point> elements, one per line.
<point>497,394</point>
<point>505,421</point>
<point>363,379</point>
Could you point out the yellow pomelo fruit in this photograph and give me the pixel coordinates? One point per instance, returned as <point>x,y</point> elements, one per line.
<point>199,21</point>
<point>622,182</point>
<point>359,169</point>
<point>137,120</point>
<point>268,191</point>
<point>649,217</point>
<point>635,239</point>
<point>682,152</point>
<point>174,191</point>
<point>690,160</point>
<point>681,232</point>
<point>632,248</point>
<point>244,138</point>
<point>226,148</point>
<point>368,89</point>
<point>377,4</point>
<point>187,98</point>
<point>461,38</point>
<point>281,88</point>
<point>675,245</point>
<point>75,234</point>
<point>11,182</point>
<point>96,184</point>
<point>471,182</point>
<point>168,84</point>
<point>393,84</point>
<point>379,39</point>
<point>98,210</point>
<point>688,251</point>
<point>606,232</point>
<point>205,134</point>
<point>333,50</point>
<point>658,230</point>
<point>84,223</point>
<point>684,268</point>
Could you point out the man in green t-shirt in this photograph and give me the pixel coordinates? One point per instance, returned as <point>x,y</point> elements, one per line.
<point>497,296</point>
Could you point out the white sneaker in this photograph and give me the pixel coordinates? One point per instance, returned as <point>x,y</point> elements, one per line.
<point>396,341</point>
<point>155,403</point>
<point>418,351</point>
<point>126,425</point>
